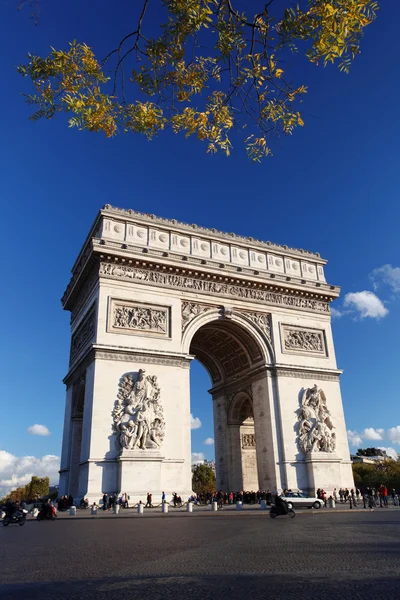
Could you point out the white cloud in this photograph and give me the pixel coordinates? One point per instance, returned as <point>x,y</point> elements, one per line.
<point>336,313</point>
<point>209,441</point>
<point>373,434</point>
<point>197,457</point>
<point>195,422</point>
<point>367,304</point>
<point>387,275</point>
<point>394,434</point>
<point>391,452</point>
<point>38,430</point>
<point>16,471</point>
<point>354,438</point>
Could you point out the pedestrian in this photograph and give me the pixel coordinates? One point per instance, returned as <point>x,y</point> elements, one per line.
<point>149,500</point>
<point>163,497</point>
<point>105,502</point>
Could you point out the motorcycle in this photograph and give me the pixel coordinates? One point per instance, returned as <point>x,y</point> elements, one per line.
<point>18,517</point>
<point>276,512</point>
<point>47,515</point>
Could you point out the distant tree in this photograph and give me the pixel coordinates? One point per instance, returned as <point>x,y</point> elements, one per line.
<point>200,67</point>
<point>38,487</point>
<point>203,479</point>
<point>386,473</point>
<point>371,452</point>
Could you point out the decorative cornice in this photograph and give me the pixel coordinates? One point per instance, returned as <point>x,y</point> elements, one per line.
<point>141,356</point>
<point>173,223</point>
<point>304,373</point>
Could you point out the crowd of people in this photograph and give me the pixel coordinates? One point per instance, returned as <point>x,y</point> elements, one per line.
<point>370,497</point>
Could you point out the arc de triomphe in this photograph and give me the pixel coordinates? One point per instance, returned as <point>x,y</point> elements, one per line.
<point>146,296</point>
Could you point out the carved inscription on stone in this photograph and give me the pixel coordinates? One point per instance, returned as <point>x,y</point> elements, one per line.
<point>84,333</point>
<point>212,287</point>
<point>299,339</point>
<point>133,317</point>
<point>248,440</point>
<point>190,310</point>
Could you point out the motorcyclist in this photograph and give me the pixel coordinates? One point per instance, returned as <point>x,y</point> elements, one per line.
<point>10,508</point>
<point>281,505</point>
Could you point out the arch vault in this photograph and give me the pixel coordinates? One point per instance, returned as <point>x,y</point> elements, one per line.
<point>146,296</point>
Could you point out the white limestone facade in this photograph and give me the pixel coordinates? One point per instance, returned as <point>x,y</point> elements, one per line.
<point>146,296</point>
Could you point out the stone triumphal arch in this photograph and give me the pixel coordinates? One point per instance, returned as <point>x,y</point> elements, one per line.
<point>146,296</point>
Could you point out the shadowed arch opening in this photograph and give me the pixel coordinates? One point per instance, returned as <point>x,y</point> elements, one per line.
<point>226,349</point>
<point>233,353</point>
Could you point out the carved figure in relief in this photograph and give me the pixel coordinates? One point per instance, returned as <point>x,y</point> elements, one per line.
<point>303,340</point>
<point>190,310</point>
<point>138,416</point>
<point>136,317</point>
<point>316,428</point>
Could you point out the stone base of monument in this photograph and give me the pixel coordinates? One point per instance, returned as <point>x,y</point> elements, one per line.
<point>140,472</point>
<point>324,471</point>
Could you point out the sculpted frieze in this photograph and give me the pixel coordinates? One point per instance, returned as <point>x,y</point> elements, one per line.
<point>185,282</point>
<point>130,317</point>
<point>296,339</point>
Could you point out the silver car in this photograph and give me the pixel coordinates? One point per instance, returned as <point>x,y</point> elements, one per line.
<point>300,499</point>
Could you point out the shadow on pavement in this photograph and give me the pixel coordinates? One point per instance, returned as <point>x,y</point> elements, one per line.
<point>200,587</point>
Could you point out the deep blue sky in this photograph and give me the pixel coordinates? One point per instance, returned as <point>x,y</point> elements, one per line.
<point>333,187</point>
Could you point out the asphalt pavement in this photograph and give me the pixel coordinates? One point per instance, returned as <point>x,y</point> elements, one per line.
<point>231,555</point>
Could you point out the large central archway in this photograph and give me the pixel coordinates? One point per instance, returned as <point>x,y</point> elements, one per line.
<point>235,355</point>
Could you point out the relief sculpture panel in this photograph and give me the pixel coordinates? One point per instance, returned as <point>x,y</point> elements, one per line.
<point>137,318</point>
<point>301,340</point>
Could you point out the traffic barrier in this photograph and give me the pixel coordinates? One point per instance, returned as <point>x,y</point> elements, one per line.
<point>214,506</point>
<point>72,511</point>
<point>140,508</point>
<point>239,505</point>
<point>189,507</point>
<point>116,509</point>
<point>332,503</point>
<point>93,510</point>
<point>263,505</point>
<point>164,508</point>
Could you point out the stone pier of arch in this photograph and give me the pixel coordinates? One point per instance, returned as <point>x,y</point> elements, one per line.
<point>146,296</point>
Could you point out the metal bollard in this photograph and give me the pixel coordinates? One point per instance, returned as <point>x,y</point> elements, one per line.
<point>164,508</point>
<point>116,509</point>
<point>263,505</point>
<point>140,508</point>
<point>332,503</point>
<point>93,510</point>
<point>189,507</point>
<point>72,511</point>
<point>214,506</point>
<point>239,505</point>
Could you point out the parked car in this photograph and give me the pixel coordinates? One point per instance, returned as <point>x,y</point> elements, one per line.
<point>299,499</point>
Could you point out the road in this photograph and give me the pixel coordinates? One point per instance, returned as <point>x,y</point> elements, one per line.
<point>206,555</point>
